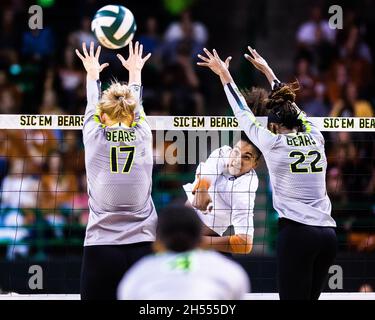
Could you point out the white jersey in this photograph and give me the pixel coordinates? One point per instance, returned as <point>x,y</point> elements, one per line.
<point>232,197</point>
<point>193,275</point>
<point>296,164</point>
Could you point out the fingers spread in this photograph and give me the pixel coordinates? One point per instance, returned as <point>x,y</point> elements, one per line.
<point>130,48</point>
<point>147,57</point>
<point>79,55</point>
<point>227,61</point>
<point>208,53</point>
<point>247,57</point>
<point>251,52</point>
<point>104,65</point>
<point>203,58</point>
<point>254,52</point>
<point>203,64</point>
<point>84,49</point>
<point>121,58</point>
<point>97,54</point>
<point>215,54</point>
<point>92,48</point>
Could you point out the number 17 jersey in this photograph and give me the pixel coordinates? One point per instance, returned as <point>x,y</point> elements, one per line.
<point>119,166</point>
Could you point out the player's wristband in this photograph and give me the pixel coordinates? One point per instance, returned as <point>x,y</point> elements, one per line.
<point>239,245</point>
<point>201,184</point>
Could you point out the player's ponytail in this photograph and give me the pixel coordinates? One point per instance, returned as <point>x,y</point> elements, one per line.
<point>282,107</point>
<point>118,102</point>
<point>256,99</point>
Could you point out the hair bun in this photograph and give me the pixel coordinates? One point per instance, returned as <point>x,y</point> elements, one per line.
<point>282,93</point>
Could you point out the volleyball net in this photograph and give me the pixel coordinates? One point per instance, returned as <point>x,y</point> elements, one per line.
<point>44,208</point>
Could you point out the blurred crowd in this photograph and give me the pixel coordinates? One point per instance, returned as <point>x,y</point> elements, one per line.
<point>335,70</point>
<point>40,74</point>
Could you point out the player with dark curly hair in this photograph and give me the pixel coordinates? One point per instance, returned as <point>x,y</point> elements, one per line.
<point>293,149</point>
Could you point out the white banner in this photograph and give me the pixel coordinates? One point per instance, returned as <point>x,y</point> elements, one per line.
<point>191,123</point>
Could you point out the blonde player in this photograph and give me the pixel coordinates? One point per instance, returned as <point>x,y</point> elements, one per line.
<point>182,271</point>
<point>293,149</point>
<point>118,158</point>
<point>224,194</point>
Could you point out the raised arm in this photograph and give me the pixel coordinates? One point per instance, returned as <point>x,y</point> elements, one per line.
<point>93,68</point>
<point>260,136</point>
<point>261,64</point>
<point>134,64</point>
<point>206,175</point>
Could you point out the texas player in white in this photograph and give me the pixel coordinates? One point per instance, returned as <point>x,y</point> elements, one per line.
<point>224,194</point>
<point>293,149</point>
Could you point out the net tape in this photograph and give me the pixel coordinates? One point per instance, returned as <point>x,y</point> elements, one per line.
<point>189,123</point>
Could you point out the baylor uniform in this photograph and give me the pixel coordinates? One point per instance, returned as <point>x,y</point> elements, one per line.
<point>297,167</point>
<point>122,220</point>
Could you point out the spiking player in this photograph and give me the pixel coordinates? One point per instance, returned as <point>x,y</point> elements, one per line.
<point>293,149</point>
<point>224,194</point>
<point>118,158</point>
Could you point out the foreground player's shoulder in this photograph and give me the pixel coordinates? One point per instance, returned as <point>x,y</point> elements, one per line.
<point>127,288</point>
<point>226,266</point>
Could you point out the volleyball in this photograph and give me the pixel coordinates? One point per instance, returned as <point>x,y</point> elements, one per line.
<point>114,26</point>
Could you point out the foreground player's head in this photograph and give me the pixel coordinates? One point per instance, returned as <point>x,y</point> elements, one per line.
<point>283,115</point>
<point>243,157</point>
<point>179,229</point>
<point>116,105</point>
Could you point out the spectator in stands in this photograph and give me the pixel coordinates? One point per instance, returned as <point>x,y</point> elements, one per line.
<point>10,95</point>
<point>318,106</point>
<point>38,44</point>
<point>8,37</point>
<point>150,38</point>
<point>350,105</point>
<point>187,34</point>
<point>315,39</point>
<point>71,79</point>
<point>181,93</point>
<point>19,192</point>
<point>83,34</point>
<point>354,45</point>
<point>57,189</point>
<point>314,30</point>
<point>336,81</point>
<point>177,30</point>
<point>306,80</point>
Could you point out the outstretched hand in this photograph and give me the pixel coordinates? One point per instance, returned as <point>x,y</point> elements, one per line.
<point>261,64</point>
<point>135,62</point>
<point>214,62</point>
<point>90,61</point>
<point>257,60</point>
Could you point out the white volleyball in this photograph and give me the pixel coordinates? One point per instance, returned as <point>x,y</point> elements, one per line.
<point>114,26</point>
